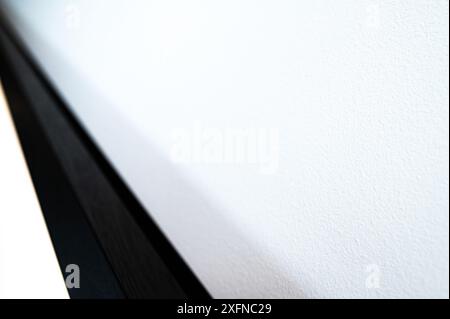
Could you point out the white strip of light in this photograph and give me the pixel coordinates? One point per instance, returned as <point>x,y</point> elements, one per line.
<point>28,264</point>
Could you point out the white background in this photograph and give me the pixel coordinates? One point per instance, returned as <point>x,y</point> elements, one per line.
<point>28,264</point>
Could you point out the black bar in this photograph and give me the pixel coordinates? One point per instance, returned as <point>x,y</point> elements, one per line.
<point>71,234</point>
<point>95,221</point>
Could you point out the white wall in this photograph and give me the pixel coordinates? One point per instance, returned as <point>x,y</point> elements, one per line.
<point>351,197</point>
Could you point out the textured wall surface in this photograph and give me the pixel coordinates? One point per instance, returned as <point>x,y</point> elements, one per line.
<point>345,104</point>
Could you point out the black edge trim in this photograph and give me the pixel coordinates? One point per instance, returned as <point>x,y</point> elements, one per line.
<point>142,284</point>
